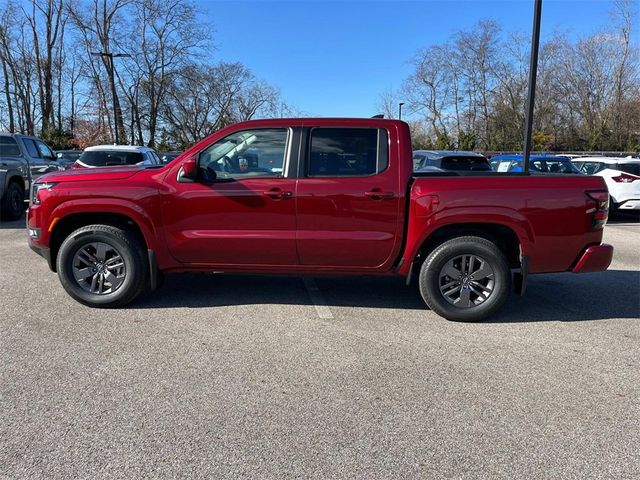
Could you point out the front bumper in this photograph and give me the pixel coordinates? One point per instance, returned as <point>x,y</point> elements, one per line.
<point>594,259</point>
<point>43,252</point>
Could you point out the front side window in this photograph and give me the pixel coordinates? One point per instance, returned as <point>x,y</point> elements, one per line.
<point>348,152</point>
<point>45,152</point>
<point>248,153</point>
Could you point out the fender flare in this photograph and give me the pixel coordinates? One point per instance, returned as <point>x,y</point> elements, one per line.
<point>459,216</point>
<point>6,176</point>
<point>110,205</point>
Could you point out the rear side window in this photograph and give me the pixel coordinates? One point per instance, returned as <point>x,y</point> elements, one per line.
<point>32,150</point>
<point>9,147</point>
<point>110,158</point>
<point>348,152</point>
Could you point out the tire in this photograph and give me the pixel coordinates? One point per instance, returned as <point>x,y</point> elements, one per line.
<point>13,202</point>
<point>110,265</point>
<point>483,287</point>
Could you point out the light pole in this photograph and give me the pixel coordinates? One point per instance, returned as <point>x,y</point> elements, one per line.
<point>533,68</point>
<point>112,74</point>
<point>400,110</point>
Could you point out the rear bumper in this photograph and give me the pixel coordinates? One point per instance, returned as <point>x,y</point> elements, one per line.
<point>629,205</point>
<point>594,259</point>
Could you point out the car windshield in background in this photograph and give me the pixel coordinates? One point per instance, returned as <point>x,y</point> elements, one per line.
<point>73,156</point>
<point>561,166</point>
<point>464,163</point>
<point>109,158</point>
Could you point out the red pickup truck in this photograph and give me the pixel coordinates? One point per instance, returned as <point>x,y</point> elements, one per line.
<point>312,197</point>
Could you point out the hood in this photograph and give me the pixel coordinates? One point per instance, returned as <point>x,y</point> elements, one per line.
<point>91,174</point>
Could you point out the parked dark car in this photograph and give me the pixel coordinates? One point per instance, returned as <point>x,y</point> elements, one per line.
<point>537,163</point>
<point>450,160</point>
<point>22,160</point>
<point>66,158</point>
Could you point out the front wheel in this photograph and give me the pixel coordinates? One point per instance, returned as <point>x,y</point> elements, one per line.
<point>12,205</point>
<point>465,279</point>
<point>102,266</point>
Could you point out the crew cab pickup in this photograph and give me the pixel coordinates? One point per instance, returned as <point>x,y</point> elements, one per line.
<point>312,197</point>
<point>22,160</point>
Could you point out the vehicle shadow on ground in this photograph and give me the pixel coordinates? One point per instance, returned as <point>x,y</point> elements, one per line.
<point>19,224</point>
<point>623,217</point>
<point>560,297</point>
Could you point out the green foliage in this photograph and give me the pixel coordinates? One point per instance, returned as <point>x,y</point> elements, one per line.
<point>466,140</point>
<point>542,141</point>
<point>443,141</point>
<point>57,139</point>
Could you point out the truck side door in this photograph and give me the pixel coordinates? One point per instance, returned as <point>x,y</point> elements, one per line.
<point>348,199</point>
<point>40,157</point>
<point>246,216</point>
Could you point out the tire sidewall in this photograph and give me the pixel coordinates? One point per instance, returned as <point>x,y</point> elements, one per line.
<point>12,209</point>
<point>430,281</point>
<point>75,242</point>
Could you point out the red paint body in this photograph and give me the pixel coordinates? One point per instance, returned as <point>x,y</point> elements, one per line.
<point>350,225</point>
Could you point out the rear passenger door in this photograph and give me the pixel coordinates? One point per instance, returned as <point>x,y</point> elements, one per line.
<point>348,199</point>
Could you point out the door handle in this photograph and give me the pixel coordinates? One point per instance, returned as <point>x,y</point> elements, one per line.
<point>377,194</point>
<point>277,194</point>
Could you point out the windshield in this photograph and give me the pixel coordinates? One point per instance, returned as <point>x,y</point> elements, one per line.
<point>462,163</point>
<point>109,158</point>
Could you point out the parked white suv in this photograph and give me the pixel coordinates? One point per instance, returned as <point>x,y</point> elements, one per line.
<point>116,155</point>
<point>622,176</point>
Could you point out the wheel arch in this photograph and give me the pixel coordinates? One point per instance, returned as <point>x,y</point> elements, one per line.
<point>71,222</point>
<point>505,238</point>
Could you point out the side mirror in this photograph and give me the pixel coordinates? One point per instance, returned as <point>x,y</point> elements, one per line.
<point>190,168</point>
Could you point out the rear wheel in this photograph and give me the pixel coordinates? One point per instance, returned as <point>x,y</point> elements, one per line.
<point>13,202</point>
<point>465,279</point>
<point>102,266</point>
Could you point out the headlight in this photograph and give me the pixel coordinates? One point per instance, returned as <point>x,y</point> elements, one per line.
<point>36,188</point>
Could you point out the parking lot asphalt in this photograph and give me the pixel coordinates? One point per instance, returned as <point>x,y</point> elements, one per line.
<point>272,377</point>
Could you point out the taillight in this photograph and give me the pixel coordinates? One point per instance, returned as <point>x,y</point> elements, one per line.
<point>598,208</point>
<point>625,178</point>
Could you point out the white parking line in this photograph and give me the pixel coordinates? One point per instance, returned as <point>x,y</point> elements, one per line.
<point>318,300</point>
